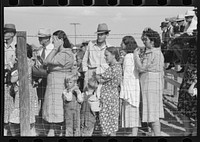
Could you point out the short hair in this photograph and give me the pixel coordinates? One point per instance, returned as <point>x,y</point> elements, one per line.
<point>61,35</point>
<point>153,36</point>
<point>130,43</point>
<point>74,78</point>
<point>114,51</point>
<point>29,51</point>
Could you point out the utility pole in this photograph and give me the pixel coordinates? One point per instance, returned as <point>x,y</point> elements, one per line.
<point>75,30</point>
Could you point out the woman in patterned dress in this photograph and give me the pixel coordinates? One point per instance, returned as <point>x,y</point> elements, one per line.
<point>151,68</point>
<point>109,96</point>
<point>59,63</point>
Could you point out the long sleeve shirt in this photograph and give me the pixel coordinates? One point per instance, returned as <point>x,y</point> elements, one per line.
<point>190,27</point>
<point>10,53</point>
<point>94,56</point>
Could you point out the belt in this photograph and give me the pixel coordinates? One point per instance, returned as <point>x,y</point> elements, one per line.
<point>92,67</point>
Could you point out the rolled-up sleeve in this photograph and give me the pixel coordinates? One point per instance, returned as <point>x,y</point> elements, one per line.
<point>62,58</point>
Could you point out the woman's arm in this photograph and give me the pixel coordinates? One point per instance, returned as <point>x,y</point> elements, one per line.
<point>100,79</point>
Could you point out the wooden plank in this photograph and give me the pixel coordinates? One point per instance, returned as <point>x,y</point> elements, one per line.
<point>173,82</point>
<point>174,72</point>
<point>24,98</point>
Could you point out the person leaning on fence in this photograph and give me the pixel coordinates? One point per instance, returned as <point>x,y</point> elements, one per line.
<point>109,95</point>
<point>72,98</point>
<point>9,60</point>
<point>181,26</point>
<point>177,44</point>
<point>151,68</point>
<point>89,108</point>
<point>59,63</point>
<point>40,71</point>
<point>130,87</point>
<point>14,121</point>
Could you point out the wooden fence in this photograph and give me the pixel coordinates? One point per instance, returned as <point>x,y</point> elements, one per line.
<point>173,79</point>
<point>24,100</point>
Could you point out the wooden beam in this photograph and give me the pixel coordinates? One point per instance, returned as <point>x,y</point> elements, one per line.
<point>173,82</point>
<point>24,98</point>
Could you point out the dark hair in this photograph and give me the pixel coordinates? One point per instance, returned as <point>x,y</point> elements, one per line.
<point>114,51</point>
<point>130,43</point>
<point>153,36</point>
<point>29,51</point>
<point>61,34</point>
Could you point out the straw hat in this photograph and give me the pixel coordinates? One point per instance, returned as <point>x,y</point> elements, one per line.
<point>189,13</point>
<point>102,28</point>
<point>180,17</point>
<point>9,28</point>
<point>44,32</point>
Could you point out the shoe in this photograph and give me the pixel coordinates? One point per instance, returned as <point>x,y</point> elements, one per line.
<point>171,65</point>
<point>182,70</point>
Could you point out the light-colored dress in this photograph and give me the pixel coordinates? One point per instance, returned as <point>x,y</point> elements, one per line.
<point>15,113</point>
<point>152,80</point>
<point>109,99</point>
<point>60,69</point>
<point>130,93</point>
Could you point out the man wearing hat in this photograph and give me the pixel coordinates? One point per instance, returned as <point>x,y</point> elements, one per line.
<point>40,71</point>
<point>94,55</point>
<point>10,45</point>
<point>10,58</point>
<point>191,24</point>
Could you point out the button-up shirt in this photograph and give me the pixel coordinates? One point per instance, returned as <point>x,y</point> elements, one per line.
<point>94,56</point>
<point>48,49</point>
<point>10,53</point>
<point>190,27</point>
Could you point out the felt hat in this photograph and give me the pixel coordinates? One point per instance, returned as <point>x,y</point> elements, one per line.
<point>189,13</point>
<point>102,28</point>
<point>44,32</point>
<point>180,17</point>
<point>9,28</point>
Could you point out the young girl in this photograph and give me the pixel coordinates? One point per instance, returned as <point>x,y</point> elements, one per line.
<point>109,97</point>
<point>89,108</point>
<point>73,98</point>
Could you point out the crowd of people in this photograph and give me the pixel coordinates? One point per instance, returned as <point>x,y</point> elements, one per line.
<point>74,88</point>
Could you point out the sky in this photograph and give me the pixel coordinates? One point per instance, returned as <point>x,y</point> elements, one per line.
<point>121,21</point>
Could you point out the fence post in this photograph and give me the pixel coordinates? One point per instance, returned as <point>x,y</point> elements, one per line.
<point>165,82</point>
<point>175,78</point>
<point>24,98</point>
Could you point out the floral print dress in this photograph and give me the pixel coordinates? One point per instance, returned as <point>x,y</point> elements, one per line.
<point>109,99</point>
<point>187,104</point>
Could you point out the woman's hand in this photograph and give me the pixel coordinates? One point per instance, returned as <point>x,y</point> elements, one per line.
<point>57,43</point>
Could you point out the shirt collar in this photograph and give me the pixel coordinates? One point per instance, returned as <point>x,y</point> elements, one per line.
<point>12,45</point>
<point>106,44</point>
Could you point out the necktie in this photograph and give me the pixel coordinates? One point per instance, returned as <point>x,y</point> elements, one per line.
<point>43,53</point>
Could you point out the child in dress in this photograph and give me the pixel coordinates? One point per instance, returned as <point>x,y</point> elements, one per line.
<point>73,98</point>
<point>89,108</point>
